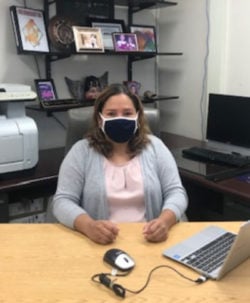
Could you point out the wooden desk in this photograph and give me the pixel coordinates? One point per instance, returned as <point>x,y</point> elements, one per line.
<point>229,185</point>
<point>228,199</point>
<point>50,263</point>
<point>37,182</point>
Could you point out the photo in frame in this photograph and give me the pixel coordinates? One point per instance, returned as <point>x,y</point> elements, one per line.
<point>133,87</point>
<point>146,37</point>
<point>125,42</point>
<point>46,90</point>
<point>108,27</point>
<point>29,30</point>
<point>88,39</point>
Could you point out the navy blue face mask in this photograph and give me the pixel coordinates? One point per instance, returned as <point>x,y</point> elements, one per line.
<point>119,129</point>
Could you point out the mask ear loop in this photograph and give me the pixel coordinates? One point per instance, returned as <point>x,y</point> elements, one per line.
<point>137,124</point>
<point>102,122</point>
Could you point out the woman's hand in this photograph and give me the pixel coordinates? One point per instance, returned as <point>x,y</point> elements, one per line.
<point>157,229</point>
<point>99,231</point>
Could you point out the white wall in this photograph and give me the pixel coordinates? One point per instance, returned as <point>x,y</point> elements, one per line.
<point>237,72</point>
<point>182,28</point>
<point>25,68</point>
<point>22,68</point>
<point>186,28</point>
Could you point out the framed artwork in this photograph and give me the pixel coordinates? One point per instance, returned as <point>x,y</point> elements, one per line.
<point>108,27</point>
<point>88,39</point>
<point>125,42</point>
<point>146,37</point>
<point>46,90</point>
<point>29,29</point>
<point>60,33</point>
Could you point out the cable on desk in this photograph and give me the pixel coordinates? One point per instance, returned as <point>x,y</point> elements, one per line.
<point>119,290</point>
<point>58,121</point>
<point>104,279</point>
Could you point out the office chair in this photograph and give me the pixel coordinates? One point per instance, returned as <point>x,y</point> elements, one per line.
<point>79,120</point>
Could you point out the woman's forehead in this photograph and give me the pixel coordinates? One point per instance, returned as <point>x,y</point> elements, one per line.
<point>119,102</point>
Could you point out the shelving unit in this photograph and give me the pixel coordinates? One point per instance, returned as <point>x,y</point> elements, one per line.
<point>137,6</point>
<point>133,6</point>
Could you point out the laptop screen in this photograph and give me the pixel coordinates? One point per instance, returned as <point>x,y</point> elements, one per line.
<point>228,119</point>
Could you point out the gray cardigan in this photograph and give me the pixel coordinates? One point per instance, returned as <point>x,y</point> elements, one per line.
<point>81,183</point>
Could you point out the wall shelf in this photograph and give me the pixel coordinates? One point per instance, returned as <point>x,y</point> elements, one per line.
<point>133,6</point>
<point>138,5</point>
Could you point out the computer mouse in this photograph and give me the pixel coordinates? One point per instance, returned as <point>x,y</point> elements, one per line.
<point>119,259</point>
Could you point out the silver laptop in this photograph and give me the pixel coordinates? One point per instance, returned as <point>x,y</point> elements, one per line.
<point>214,251</point>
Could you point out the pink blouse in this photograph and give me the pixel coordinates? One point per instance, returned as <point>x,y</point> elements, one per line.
<point>125,193</point>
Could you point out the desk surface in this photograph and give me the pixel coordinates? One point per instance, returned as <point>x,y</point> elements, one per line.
<point>230,186</point>
<point>50,263</point>
<point>42,179</point>
<point>46,171</point>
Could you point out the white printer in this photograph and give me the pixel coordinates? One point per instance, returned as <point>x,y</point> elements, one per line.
<point>18,133</point>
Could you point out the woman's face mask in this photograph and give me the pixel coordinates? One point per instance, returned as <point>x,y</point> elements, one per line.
<point>119,129</point>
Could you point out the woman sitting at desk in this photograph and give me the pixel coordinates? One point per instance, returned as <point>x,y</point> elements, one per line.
<point>119,173</point>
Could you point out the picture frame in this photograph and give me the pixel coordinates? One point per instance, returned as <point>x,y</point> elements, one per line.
<point>46,90</point>
<point>108,27</point>
<point>88,39</point>
<point>125,42</point>
<point>29,30</point>
<point>146,37</point>
<point>133,87</point>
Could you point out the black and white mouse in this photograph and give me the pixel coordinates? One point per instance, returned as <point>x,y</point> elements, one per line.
<point>119,259</point>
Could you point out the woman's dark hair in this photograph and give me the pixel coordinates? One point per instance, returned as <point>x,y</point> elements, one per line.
<point>97,138</point>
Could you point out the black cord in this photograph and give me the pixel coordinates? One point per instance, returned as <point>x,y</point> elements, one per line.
<point>154,269</point>
<point>104,279</point>
<point>120,291</point>
<point>58,121</point>
<point>37,67</point>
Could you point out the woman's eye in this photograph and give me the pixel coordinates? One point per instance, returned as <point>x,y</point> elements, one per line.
<point>111,114</point>
<point>128,114</point>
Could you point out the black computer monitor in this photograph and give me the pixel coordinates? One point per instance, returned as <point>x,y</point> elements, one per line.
<point>228,120</point>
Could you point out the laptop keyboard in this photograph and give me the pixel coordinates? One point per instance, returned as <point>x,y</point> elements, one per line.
<point>59,104</point>
<point>212,255</point>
